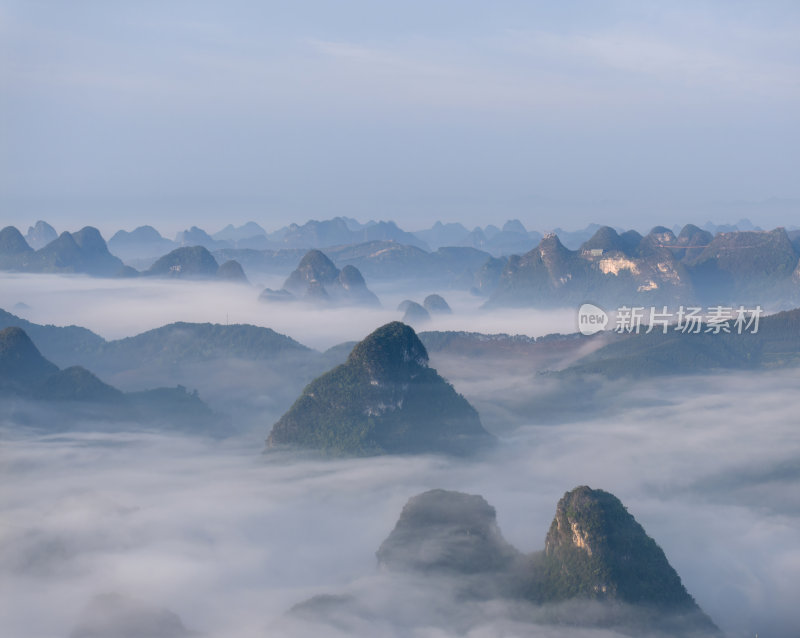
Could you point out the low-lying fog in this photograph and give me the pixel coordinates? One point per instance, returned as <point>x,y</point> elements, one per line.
<point>230,539</point>
<point>116,308</point>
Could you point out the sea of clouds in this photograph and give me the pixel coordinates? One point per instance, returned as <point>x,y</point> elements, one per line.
<point>230,539</point>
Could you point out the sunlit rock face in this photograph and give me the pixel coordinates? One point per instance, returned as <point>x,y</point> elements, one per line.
<point>602,551</point>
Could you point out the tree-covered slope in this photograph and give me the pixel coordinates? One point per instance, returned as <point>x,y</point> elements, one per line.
<point>384,399</point>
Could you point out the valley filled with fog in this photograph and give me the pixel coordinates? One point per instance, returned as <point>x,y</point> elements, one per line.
<point>399,319</point>
<point>117,308</point>
<point>230,538</point>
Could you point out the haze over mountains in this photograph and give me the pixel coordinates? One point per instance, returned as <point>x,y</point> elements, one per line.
<point>436,403</point>
<point>258,373</point>
<point>75,394</point>
<point>251,375</point>
<point>318,280</point>
<point>399,320</point>
<point>509,266</point>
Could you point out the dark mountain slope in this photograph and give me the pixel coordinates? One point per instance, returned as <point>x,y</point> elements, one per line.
<point>383,400</point>
<point>318,280</point>
<point>21,364</point>
<point>776,344</point>
<point>188,262</point>
<point>65,345</point>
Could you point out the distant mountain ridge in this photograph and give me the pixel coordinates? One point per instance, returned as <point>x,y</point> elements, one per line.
<point>510,266</point>
<point>167,345</point>
<point>318,280</point>
<point>25,373</point>
<point>141,243</point>
<point>659,268</point>
<point>82,252</point>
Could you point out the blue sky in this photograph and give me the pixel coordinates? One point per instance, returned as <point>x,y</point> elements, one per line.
<point>179,113</point>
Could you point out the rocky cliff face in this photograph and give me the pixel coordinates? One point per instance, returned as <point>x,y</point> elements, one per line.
<point>595,548</point>
<point>594,551</point>
<point>659,268</point>
<point>446,564</point>
<point>21,364</point>
<point>313,267</point>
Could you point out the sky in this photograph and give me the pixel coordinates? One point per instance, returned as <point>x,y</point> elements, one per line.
<point>558,114</point>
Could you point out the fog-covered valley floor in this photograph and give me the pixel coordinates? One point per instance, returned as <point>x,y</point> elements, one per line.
<point>230,538</point>
<point>117,308</point>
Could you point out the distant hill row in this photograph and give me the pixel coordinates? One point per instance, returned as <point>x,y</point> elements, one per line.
<point>609,267</point>
<point>510,238</point>
<point>775,345</point>
<point>259,372</point>
<point>86,252</point>
<point>26,375</point>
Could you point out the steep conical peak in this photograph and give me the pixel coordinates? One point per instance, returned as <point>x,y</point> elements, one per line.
<point>12,242</point>
<point>232,270</point>
<point>318,263</point>
<point>140,233</point>
<point>65,240</point>
<point>351,277</point>
<point>90,240</point>
<point>606,238</point>
<point>630,240</point>
<point>390,353</point>
<point>187,261</point>
<point>450,531</point>
<point>436,304</point>
<point>662,234</point>
<point>552,250</point>
<point>415,313</point>
<point>384,399</point>
<point>313,267</point>
<point>595,550</point>
<point>693,236</point>
<point>551,242</point>
<point>20,360</point>
<point>601,551</point>
<point>40,235</point>
<point>580,520</point>
<point>514,226</point>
